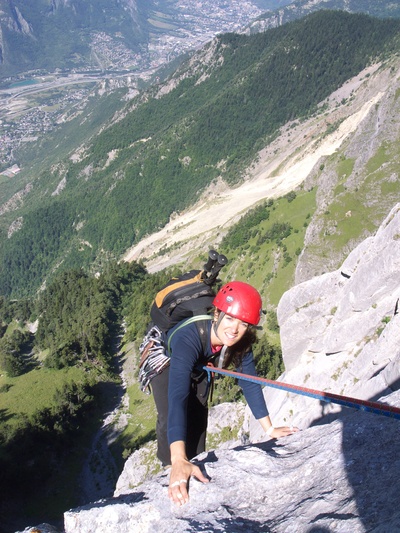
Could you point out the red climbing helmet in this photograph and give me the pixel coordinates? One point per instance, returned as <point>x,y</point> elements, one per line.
<point>239,300</point>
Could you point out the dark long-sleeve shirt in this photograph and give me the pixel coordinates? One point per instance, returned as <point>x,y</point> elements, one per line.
<point>186,353</point>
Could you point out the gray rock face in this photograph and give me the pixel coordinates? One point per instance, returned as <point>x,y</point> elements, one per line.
<point>340,477</point>
<point>341,334</point>
<point>142,464</point>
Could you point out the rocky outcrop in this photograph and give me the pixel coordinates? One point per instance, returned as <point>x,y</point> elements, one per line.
<point>340,333</point>
<point>325,478</point>
<point>225,420</point>
<point>344,311</point>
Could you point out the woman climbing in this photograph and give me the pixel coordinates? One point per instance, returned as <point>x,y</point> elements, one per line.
<point>181,390</point>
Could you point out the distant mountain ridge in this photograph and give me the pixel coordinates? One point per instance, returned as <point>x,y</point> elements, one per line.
<point>61,33</point>
<point>300,8</point>
<point>121,34</point>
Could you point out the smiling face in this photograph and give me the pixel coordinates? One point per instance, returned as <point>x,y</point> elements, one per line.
<point>229,331</point>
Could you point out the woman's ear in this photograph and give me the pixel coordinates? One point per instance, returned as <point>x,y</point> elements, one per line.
<point>216,315</point>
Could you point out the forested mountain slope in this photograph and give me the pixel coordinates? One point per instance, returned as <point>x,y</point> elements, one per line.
<point>208,122</point>
<point>313,158</point>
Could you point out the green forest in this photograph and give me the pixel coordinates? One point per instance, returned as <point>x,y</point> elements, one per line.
<point>171,147</point>
<point>56,383</point>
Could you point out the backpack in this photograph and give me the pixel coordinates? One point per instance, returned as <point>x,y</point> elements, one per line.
<point>188,296</point>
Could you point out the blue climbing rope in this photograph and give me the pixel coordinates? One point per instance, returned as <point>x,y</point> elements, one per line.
<point>377,408</point>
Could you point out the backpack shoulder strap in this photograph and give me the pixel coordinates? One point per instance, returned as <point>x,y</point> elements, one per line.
<point>202,331</point>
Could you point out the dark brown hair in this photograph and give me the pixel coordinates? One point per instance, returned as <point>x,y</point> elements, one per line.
<point>235,353</point>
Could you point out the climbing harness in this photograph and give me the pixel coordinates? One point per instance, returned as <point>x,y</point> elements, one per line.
<point>362,405</point>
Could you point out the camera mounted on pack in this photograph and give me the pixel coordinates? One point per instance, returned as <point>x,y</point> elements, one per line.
<point>214,264</point>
